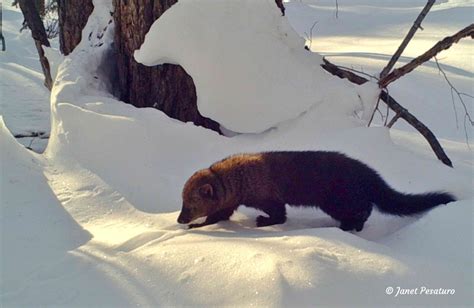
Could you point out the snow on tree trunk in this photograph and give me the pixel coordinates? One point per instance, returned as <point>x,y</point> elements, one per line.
<point>166,87</point>
<point>73,16</point>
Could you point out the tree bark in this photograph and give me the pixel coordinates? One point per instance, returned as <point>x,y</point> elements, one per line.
<point>40,7</point>
<point>165,87</point>
<point>73,16</point>
<point>4,46</point>
<point>38,33</point>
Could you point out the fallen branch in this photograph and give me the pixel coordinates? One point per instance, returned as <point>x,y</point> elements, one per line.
<point>408,37</point>
<point>343,73</point>
<point>41,135</point>
<point>400,111</point>
<point>433,51</point>
<point>403,113</point>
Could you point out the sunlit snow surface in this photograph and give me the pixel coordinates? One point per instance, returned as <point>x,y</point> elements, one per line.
<point>93,221</point>
<point>247,62</point>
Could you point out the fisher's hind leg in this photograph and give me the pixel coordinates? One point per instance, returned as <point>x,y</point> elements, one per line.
<point>352,216</point>
<point>276,213</point>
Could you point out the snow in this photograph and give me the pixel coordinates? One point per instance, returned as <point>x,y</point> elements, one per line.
<point>367,32</point>
<point>246,62</point>
<point>92,221</point>
<point>35,227</point>
<point>23,96</point>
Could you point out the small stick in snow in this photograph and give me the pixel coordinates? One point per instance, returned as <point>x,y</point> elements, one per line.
<point>280,5</point>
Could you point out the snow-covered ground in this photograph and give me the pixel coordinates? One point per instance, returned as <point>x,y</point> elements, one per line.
<point>92,221</point>
<point>24,101</point>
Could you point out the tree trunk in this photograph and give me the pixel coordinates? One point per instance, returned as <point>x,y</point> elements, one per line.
<point>4,46</point>
<point>165,87</point>
<point>38,33</point>
<point>40,7</point>
<point>73,16</point>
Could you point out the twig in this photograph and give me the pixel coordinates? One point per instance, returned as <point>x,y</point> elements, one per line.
<point>408,37</point>
<point>387,112</point>
<point>396,107</point>
<point>375,110</point>
<point>467,115</point>
<point>280,5</point>
<point>310,36</point>
<point>433,51</point>
<point>342,73</point>
<point>359,72</point>
<point>393,120</point>
<point>337,10</point>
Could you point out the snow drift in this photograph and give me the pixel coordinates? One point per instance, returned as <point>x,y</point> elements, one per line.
<point>246,61</point>
<point>118,172</point>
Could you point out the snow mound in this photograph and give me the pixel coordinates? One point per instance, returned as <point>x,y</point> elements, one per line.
<point>110,165</point>
<point>36,230</point>
<point>248,64</point>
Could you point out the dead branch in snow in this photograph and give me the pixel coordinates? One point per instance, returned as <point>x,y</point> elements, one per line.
<point>400,111</point>
<point>408,37</point>
<point>433,51</point>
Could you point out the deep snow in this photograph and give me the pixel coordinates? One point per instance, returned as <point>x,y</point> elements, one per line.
<point>268,64</point>
<point>98,224</point>
<point>23,99</point>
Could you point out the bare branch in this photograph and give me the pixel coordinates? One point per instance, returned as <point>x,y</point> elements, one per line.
<point>359,72</point>
<point>393,120</point>
<point>433,51</point>
<point>309,37</point>
<point>397,108</point>
<point>467,115</point>
<point>418,125</point>
<point>342,73</point>
<point>408,37</point>
<point>280,5</point>
<point>374,111</point>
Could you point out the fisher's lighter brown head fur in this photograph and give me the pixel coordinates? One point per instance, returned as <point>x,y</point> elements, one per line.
<point>202,196</point>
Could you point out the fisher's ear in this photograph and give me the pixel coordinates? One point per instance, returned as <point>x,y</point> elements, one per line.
<point>206,191</point>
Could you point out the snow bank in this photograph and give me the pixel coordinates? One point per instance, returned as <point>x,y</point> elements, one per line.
<point>36,231</point>
<point>118,171</point>
<point>364,34</point>
<point>24,101</point>
<point>248,64</point>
